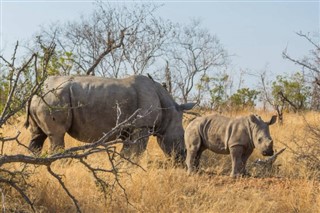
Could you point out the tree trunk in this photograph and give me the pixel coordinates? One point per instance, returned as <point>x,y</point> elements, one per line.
<point>168,78</point>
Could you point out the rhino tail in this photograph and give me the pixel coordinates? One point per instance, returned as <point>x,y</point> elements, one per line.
<point>27,123</point>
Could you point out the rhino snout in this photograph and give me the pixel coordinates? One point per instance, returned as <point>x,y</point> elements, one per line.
<point>268,150</point>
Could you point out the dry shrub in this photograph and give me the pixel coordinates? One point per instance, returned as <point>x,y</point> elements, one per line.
<point>301,135</point>
<point>307,146</point>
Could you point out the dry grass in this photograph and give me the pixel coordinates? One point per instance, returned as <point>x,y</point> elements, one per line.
<point>163,188</point>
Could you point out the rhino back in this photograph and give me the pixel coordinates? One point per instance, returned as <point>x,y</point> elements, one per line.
<point>213,132</point>
<point>94,102</point>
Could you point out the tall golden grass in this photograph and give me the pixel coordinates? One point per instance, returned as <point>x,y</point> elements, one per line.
<point>161,187</point>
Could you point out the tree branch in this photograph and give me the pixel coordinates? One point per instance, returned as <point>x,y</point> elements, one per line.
<point>308,39</point>
<point>283,97</point>
<point>74,200</point>
<point>19,190</point>
<point>110,47</point>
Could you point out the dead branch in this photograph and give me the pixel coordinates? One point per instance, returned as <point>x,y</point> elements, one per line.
<point>285,99</point>
<point>74,200</point>
<point>10,108</point>
<point>317,81</point>
<point>78,153</point>
<point>19,190</point>
<point>5,139</point>
<point>10,138</point>
<point>110,47</point>
<point>308,39</point>
<point>16,179</point>
<point>309,66</point>
<point>12,89</point>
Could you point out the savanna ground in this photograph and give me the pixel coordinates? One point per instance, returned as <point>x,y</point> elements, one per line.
<point>290,186</point>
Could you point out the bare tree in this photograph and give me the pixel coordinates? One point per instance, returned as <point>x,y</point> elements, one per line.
<point>18,90</point>
<point>115,40</point>
<point>267,98</point>
<point>310,64</point>
<point>195,52</point>
<point>149,44</point>
<point>20,84</point>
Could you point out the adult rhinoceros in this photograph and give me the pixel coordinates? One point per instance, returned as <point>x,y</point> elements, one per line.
<point>237,137</point>
<point>86,107</point>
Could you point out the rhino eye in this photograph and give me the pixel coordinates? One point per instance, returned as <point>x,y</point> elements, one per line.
<point>260,140</point>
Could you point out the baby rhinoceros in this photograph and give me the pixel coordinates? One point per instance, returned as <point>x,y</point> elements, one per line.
<point>235,136</point>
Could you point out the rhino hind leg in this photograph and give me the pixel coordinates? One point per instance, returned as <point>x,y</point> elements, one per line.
<point>190,160</point>
<point>197,159</point>
<point>193,160</point>
<point>37,137</point>
<point>37,140</point>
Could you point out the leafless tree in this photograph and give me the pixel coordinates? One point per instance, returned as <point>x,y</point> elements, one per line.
<point>115,40</point>
<point>18,88</point>
<point>20,85</point>
<point>194,53</point>
<point>310,64</point>
<point>267,98</point>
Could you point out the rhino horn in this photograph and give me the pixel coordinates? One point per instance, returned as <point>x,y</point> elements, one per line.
<point>269,161</point>
<point>187,106</point>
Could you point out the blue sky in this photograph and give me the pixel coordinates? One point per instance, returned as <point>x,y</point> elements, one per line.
<point>255,32</point>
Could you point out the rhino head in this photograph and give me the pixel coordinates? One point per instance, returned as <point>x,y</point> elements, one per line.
<point>171,140</point>
<point>261,134</point>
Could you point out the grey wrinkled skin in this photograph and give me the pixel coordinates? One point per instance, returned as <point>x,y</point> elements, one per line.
<point>235,136</point>
<point>85,107</point>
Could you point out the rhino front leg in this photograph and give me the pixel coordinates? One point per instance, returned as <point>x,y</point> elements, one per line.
<point>140,138</point>
<point>134,149</point>
<point>238,166</point>
<point>191,160</point>
<point>193,153</point>
<point>56,143</point>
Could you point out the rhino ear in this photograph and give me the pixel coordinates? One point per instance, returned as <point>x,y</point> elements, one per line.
<point>253,118</point>
<point>186,106</point>
<point>272,120</point>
